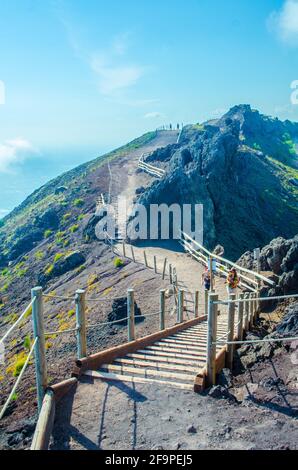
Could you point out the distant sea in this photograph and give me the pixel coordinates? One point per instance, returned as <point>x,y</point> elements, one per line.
<point>34,172</point>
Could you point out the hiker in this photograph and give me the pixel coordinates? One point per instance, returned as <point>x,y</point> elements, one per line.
<point>206,279</point>
<point>232,281</point>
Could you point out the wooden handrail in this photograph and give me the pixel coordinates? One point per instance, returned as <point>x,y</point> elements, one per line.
<point>220,258</point>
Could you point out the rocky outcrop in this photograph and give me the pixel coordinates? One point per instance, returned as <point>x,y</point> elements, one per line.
<point>227,166</point>
<point>281,257</point>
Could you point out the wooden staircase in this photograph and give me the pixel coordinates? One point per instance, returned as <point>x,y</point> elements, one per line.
<point>174,360</point>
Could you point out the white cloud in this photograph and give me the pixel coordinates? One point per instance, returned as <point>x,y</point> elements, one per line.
<point>13,152</point>
<point>114,77</point>
<point>154,115</point>
<point>285,22</point>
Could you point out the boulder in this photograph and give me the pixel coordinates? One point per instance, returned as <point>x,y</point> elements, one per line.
<point>48,220</point>
<point>119,311</point>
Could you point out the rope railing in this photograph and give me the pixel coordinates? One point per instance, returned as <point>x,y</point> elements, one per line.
<point>16,323</point>
<point>275,297</point>
<point>264,340</point>
<point>5,406</point>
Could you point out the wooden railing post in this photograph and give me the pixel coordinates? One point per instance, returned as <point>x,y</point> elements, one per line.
<point>206,294</point>
<point>246,311</point>
<point>211,339</point>
<point>130,315</point>
<point>211,274</point>
<point>124,252</point>
<point>39,349</point>
<point>81,323</point>
<point>164,269</point>
<point>133,254</point>
<point>196,304</point>
<point>250,310</point>
<point>240,318</point>
<point>162,308</point>
<point>180,306</point>
<point>145,259</point>
<point>171,274</point>
<point>258,303</point>
<point>230,335</point>
<point>155,264</point>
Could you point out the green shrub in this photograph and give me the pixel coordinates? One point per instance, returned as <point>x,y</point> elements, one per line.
<point>67,216</point>
<point>71,313</point>
<point>18,366</point>
<point>74,228</point>
<point>118,262</point>
<point>80,217</point>
<point>78,202</point>
<point>49,269</point>
<point>48,233</point>
<point>57,257</point>
<point>39,255</point>
<point>27,342</point>
<point>66,243</point>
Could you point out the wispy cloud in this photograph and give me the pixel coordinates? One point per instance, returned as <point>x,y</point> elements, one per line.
<point>13,152</point>
<point>113,77</point>
<point>116,73</point>
<point>154,115</point>
<point>284,22</point>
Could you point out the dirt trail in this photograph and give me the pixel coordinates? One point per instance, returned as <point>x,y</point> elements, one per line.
<point>130,416</point>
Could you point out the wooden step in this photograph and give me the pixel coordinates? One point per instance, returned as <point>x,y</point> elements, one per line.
<point>195,343</point>
<point>166,359</point>
<point>187,357</point>
<point>147,372</point>
<point>173,343</point>
<point>177,350</point>
<point>156,364</point>
<point>126,378</point>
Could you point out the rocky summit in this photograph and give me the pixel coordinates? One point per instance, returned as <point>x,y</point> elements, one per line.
<point>243,168</point>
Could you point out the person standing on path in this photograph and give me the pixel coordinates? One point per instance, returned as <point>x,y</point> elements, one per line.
<point>206,279</point>
<point>232,281</point>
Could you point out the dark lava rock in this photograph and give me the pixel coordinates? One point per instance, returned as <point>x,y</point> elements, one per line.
<point>289,324</point>
<point>225,378</point>
<point>15,439</point>
<point>63,265</point>
<point>140,190</point>
<point>48,220</point>
<point>192,430</point>
<point>119,310</point>
<point>61,189</point>
<point>281,257</point>
<point>220,392</point>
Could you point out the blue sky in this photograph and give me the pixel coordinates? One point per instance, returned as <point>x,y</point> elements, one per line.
<point>84,76</point>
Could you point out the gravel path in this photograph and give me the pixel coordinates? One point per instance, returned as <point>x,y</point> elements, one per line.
<point>133,417</point>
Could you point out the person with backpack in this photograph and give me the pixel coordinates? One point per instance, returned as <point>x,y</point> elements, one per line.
<point>232,281</point>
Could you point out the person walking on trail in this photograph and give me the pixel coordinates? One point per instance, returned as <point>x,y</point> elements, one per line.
<point>232,281</point>
<point>206,279</point>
